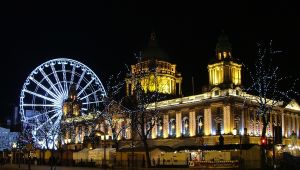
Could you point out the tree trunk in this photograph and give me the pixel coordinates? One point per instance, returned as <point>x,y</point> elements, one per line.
<point>263,149</point>
<point>265,124</point>
<point>148,160</point>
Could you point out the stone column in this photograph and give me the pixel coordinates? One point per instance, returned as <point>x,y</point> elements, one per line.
<point>227,119</point>
<point>207,121</point>
<point>297,127</point>
<point>82,133</point>
<point>178,124</point>
<point>192,123</point>
<point>293,123</point>
<point>282,124</point>
<point>128,129</point>
<point>254,122</point>
<point>290,124</point>
<point>118,130</point>
<point>248,121</point>
<point>76,134</point>
<point>154,129</point>
<point>166,126</point>
<point>170,86</point>
<point>209,76</point>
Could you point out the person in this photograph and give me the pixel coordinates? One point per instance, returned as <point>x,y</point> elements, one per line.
<point>158,161</point>
<point>293,138</point>
<point>164,161</point>
<point>153,161</point>
<point>221,140</point>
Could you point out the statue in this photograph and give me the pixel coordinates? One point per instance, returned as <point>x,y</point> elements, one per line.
<point>293,138</point>
<point>221,140</point>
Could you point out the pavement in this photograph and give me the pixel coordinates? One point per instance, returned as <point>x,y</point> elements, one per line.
<point>39,167</point>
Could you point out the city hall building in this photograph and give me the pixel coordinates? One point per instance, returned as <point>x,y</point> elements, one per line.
<point>187,123</point>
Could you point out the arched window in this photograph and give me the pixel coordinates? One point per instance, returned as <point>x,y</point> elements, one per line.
<point>159,128</point>
<point>185,126</point>
<point>172,128</point>
<point>200,125</point>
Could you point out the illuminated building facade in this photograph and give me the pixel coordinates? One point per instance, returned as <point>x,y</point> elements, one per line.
<point>154,72</point>
<point>224,71</point>
<point>223,109</point>
<point>200,119</point>
<point>72,106</point>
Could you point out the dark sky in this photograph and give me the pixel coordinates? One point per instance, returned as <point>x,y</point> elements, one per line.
<point>104,36</point>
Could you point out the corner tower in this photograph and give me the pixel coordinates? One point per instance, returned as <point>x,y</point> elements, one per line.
<point>72,105</point>
<point>154,72</point>
<point>224,71</point>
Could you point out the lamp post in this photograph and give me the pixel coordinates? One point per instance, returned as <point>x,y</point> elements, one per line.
<point>14,146</point>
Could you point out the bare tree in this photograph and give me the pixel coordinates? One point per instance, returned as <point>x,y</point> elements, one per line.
<point>270,88</point>
<point>50,134</point>
<point>267,84</point>
<point>143,117</point>
<point>114,113</point>
<point>26,142</point>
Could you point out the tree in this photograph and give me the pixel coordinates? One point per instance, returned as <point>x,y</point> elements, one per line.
<point>26,142</point>
<point>143,117</point>
<point>114,113</point>
<point>267,86</point>
<point>51,132</point>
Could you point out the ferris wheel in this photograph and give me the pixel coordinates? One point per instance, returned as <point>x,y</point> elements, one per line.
<point>45,90</point>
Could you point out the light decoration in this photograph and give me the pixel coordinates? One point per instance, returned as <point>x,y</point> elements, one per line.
<point>47,87</point>
<point>266,81</point>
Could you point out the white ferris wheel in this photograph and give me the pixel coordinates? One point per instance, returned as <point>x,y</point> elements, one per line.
<point>46,89</point>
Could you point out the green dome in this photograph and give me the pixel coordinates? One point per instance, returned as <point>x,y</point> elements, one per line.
<point>153,51</point>
<point>223,43</point>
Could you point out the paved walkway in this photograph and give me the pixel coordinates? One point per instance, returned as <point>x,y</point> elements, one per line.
<point>38,167</point>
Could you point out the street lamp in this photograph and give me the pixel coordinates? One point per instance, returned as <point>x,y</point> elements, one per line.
<point>14,146</point>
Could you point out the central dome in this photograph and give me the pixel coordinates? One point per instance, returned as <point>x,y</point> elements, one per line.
<point>153,51</point>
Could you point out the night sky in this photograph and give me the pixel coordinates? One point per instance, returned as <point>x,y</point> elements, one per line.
<point>105,36</point>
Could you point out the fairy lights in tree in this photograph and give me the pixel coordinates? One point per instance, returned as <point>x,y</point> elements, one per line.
<point>266,84</point>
